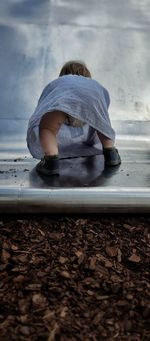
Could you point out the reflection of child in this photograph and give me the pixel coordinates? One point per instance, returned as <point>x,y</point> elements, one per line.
<point>74,99</point>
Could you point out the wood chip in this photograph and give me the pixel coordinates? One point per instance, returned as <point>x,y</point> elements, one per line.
<point>134,258</point>
<point>93,261</point>
<point>78,253</point>
<point>111,251</point>
<point>23,306</point>
<point>108,264</point>
<point>119,256</point>
<point>14,247</point>
<point>49,314</point>
<point>39,299</point>
<point>41,232</point>
<point>24,319</point>
<point>56,236</point>
<point>5,256</point>
<point>81,256</point>
<point>24,330</point>
<point>65,274</point>
<point>53,332</point>
<point>19,279</point>
<point>127,226</point>
<point>63,260</point>
<point>63,312</point>
<point>98,317</point>
<point>6,246</point>
<point>33,286</point>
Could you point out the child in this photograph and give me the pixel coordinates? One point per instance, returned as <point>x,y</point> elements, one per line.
<point>73,99</point>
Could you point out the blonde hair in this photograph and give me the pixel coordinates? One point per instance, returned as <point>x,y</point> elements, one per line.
<point>75,67</point>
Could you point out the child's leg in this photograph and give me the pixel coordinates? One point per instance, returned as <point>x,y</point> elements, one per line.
<point>48,129</point>
<point>105,141</point>
<point>111,155</point>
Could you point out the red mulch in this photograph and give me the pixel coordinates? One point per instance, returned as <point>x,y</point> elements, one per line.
<point>75,278</point>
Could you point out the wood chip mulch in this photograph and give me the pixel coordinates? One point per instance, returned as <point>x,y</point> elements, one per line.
<point>75,278</point>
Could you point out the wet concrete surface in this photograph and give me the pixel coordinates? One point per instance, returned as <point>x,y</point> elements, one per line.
<point>80,172</point>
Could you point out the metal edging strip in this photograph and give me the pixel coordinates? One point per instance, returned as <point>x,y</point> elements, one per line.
<point>74,200</point>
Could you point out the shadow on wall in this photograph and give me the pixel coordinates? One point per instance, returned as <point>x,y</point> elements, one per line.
<point>102,13</point>
<point>29,10</point>
<point>21,56</point>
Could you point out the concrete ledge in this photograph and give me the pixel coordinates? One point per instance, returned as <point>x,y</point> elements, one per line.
<point>74,200</point>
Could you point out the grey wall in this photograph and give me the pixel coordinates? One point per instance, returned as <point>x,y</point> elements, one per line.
<point>37,37</point>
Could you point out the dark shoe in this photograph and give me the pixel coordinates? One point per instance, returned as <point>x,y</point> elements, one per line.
<point>112,157</point>
<point>49,165</point>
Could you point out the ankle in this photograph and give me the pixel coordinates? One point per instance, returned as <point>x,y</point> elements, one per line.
<point>54,156</point>
<point>109,148</point>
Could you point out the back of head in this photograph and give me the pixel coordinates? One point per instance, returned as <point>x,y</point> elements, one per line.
<point>74,67</point>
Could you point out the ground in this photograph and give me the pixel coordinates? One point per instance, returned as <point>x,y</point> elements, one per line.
<point>75,278</point>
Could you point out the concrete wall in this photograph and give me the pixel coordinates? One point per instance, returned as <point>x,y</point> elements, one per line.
<point>37,37</point>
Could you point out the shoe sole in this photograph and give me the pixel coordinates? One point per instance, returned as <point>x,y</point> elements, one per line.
<point>113,163</point>
<point>47,172</point>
